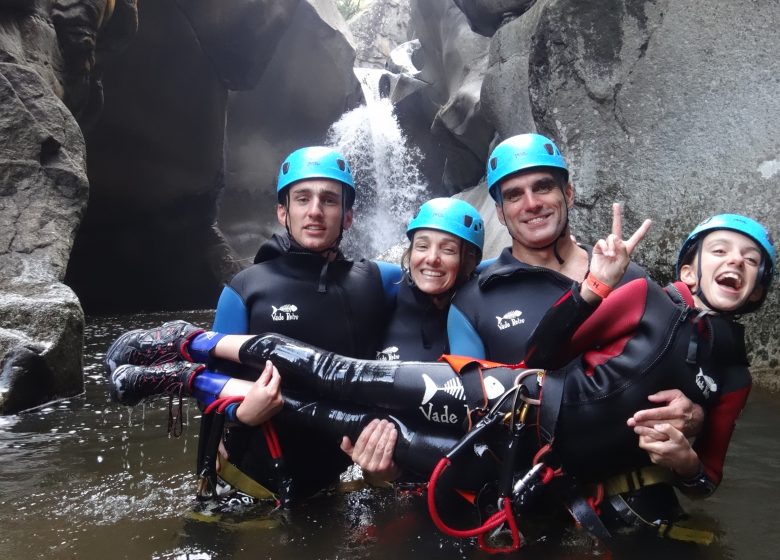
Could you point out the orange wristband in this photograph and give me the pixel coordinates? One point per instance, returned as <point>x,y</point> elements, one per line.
<point>597,286</point>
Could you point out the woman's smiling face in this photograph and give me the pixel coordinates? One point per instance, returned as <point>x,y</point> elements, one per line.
<point>434,261</point>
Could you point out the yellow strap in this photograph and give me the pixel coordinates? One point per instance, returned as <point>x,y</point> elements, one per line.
<point>688,534</point>
<point>243,482</point>
<point>634,480</point>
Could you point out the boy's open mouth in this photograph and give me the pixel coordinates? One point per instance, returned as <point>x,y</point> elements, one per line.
<point>729,280</point>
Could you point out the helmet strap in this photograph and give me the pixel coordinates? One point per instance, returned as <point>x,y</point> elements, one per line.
<point>699,292</point>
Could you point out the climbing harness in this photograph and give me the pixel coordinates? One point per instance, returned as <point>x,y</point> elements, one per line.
<point>504,516</point>
<point>209,470</point>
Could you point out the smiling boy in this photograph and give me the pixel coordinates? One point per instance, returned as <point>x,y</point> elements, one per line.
<point>632,338</point>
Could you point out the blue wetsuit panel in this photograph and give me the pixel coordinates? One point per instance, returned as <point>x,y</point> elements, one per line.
<point>391,277</point>
<point>484,264</point>
<point>232,316</point>
<point>464,340</point>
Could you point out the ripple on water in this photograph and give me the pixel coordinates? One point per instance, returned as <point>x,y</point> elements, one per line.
<point>84,476</point>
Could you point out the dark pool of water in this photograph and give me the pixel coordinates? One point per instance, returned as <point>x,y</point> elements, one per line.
<point>85,478</point>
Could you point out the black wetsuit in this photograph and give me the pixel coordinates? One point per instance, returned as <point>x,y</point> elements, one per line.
<point>417,330</point>
<point>493,315</point>
<point>285,291</point>
<point>338,305</point>
<point>640,340</point>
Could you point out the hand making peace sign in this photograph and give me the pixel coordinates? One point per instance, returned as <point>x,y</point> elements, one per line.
<point>611,255</point>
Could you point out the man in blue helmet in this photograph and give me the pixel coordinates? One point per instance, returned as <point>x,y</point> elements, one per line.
<point>302,286</point>
<point>494,315</point>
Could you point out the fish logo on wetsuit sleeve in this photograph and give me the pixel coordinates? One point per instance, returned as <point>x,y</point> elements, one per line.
<point>453,387</point>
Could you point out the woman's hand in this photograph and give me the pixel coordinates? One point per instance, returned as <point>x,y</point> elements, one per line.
<point>264,398</point>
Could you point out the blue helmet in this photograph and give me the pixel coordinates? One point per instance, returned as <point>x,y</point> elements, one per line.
<point>745,226</point>
<point>316,162</point>
<point>521,152</point>
<point>450,215</point>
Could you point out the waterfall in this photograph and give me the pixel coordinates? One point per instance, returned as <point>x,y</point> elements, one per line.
<point>389,184</point>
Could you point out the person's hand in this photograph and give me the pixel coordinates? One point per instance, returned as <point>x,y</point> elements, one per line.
<point>668,447</point>
<point>612,255</point>
<point>264,398</point>
<point>677,410</point>
<point>373,451</point>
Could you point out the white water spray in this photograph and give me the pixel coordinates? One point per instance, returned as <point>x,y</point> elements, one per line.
<point>389,183</point>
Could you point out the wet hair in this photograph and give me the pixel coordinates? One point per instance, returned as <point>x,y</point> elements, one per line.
<point>348,196</point>
<point>560,177</point>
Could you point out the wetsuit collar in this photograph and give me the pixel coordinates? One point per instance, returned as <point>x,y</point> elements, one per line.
<point>279,245</point>
<point>507,265</point>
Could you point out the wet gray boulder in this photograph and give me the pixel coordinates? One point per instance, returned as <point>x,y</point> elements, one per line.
<point>669,107</point>
<point>199,111</point>
<point>378,29</point>
<point>307,84</point>
<point>42,198</point>
<point>451,60</point>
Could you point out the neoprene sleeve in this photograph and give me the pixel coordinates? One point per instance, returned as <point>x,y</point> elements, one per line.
<point>231,316</point>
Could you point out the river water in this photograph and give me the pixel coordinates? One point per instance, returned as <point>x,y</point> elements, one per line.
<point>85,478</point>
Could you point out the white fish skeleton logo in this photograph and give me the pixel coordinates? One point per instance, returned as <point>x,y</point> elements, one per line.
<point>706,384</point>
<point>509,319</point>
<point>389,354</point>
<point>289,308</point>
<point>285,312</point>
<point>493,388</point>
<point>452,387</point>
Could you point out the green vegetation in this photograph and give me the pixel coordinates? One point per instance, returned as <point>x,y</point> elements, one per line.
<point>348,8</point>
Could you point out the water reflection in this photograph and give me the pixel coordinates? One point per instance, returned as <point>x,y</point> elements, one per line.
<point>85,478</point>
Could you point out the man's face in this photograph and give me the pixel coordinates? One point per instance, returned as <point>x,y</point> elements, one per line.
<point>313,214</point>
<point>534,207</point>
<point>729,270</point>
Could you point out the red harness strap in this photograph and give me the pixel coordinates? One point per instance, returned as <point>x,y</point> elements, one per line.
<point>269,432</point>
<point>504,515</point>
